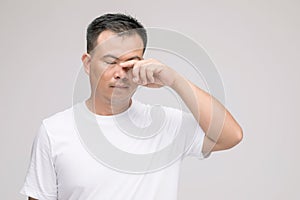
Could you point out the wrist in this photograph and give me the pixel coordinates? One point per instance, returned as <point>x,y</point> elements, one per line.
<point>177,81</point>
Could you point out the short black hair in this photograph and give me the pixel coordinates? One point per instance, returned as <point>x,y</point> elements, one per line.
<point>117,23</point>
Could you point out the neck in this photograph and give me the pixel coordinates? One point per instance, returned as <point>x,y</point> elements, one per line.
<point>107,107</point>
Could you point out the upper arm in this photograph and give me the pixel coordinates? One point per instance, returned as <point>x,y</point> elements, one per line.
<point>40,181</point>
<point>209,146</point>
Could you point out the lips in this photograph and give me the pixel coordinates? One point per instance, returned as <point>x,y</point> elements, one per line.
<point>119,86</point>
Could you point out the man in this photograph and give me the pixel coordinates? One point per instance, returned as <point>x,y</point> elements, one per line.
<point>63,168</point>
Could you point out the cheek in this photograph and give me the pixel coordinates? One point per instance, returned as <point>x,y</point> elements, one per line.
<point>100,74</point>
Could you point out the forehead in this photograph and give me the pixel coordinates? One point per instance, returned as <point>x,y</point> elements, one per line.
<point>109,42</point>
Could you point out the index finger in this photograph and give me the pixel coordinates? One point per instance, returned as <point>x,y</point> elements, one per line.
<point>129,63</point>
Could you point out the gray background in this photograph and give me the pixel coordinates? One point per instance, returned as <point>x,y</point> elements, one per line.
<point>255,45</point>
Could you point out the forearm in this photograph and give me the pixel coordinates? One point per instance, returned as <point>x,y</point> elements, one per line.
<point>217,123</point>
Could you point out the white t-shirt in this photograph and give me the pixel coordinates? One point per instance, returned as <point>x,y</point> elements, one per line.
<point>63,167</point>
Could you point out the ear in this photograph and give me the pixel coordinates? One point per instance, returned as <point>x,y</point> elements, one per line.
<point>86,60</point>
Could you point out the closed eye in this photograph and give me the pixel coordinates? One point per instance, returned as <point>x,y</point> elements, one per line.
<point>126,69</point>
<point>110,63</point>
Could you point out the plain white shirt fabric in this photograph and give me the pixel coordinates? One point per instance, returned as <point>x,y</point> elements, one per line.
<point>62,168</point>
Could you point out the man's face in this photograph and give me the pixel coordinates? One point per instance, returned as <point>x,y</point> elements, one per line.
<point>108,79</point>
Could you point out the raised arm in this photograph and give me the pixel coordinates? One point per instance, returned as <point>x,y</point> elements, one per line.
<point>221,130</point>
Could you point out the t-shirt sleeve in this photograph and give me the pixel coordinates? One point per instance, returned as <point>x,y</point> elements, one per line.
<point>195,149</point>
<point>40,181</point>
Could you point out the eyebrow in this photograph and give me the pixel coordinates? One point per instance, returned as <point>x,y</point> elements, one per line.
<point>110,56</point>
<point>116,58</point>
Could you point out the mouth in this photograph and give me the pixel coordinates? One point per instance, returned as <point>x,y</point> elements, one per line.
<point>119,86</point>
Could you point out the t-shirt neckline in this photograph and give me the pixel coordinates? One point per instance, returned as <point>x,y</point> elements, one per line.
<point>131,108</point>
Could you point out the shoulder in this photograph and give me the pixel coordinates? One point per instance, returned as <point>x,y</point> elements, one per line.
<point>60,120</point>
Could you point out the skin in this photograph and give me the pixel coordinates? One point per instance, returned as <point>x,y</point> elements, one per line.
<point>116,67</point>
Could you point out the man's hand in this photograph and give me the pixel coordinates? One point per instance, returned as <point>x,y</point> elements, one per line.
<point>151,73</point>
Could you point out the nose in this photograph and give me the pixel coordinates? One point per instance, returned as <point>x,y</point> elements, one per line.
<point>120,72</point>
